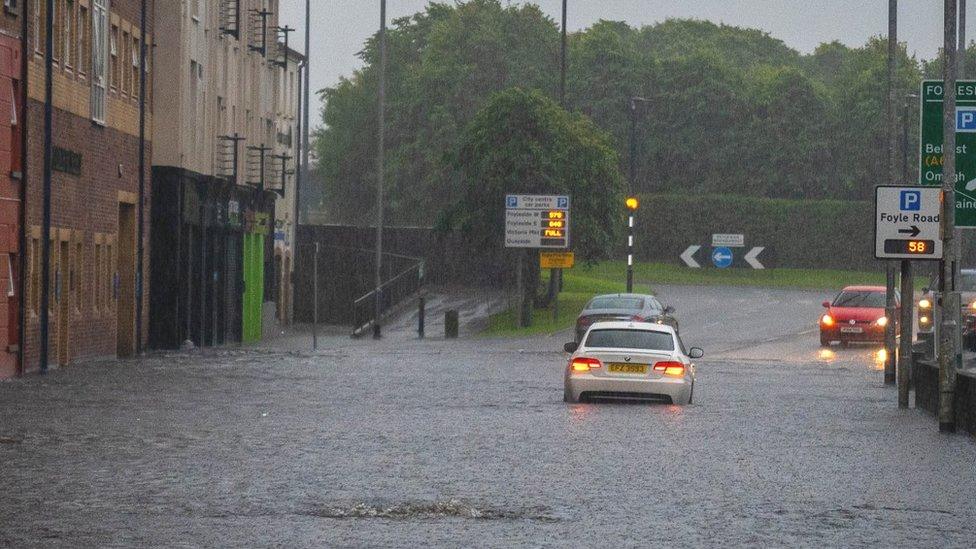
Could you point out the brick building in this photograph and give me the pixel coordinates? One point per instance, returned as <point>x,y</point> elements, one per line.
<point>11,188</point>
<point>95,186</point>
<point>223,181</point>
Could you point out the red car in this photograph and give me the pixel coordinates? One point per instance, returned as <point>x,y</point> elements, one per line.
<point>856,314</point>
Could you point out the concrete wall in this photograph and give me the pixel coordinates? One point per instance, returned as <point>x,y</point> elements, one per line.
<point>927,394</point>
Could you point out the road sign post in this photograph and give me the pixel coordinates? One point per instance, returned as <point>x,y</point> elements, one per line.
<point>534,222</point>
<point>907,223</point>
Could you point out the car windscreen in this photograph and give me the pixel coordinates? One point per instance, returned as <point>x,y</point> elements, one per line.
<point>630,339</point>
<point>967,282</point>
<point>617,302</point>
<point>850,298</point>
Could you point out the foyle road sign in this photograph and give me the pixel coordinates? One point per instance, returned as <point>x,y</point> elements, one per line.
<point>536,221</point>
<point>930,142</point>
<point>906,222</point>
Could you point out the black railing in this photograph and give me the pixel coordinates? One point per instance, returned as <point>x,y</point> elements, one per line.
<point>393,292</point>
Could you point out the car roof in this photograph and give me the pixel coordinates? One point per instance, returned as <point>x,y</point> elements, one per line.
<point>626,325</point>
<point>621,295</point>
<point>864,289</point>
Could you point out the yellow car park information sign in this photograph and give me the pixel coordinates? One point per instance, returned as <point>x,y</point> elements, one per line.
<point>557,260</point>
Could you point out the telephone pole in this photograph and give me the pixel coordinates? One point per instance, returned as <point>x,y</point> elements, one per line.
<point>949,302</point>
<point>380,167</point>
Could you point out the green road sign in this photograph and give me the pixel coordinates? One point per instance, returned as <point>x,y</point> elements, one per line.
<point>931,158</point>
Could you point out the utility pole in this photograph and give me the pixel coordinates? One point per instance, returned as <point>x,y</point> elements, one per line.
<point>961,50</point>
<point>379,176</point>
<point>907,282</point>
<point>949,301</point>
<point>46,192</point>
<point>633,191</point>
<point>556,275</point>
<point>889,365</point>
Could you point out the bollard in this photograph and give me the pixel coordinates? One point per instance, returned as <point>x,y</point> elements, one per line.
<point>420,317</point>
<point>451,324</point>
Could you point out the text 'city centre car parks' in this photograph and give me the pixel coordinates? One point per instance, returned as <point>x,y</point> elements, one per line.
<point>630,361</point>
<point>857,314</point>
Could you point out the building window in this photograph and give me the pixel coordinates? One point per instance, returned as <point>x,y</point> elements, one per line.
<point>35,275</point>
<point>114,58</point>
<point>77,270</point>
<point>99,49</point>
<point>12,6</point>
<point>58,29</point>
<point>40,26</point>
<point>70,32</point>
<point>84,40</point>
<point>136,83</point>
<point>124,72</point>
<point>97,271</point>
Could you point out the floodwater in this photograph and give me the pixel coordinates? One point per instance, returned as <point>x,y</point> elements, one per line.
<point>468,443</point>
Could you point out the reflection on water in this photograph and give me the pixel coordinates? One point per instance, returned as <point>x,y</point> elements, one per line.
<point>827,355</point>
<point>880,357</point>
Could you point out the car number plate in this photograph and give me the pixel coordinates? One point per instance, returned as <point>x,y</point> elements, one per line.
<point>620,368</point>
<point>851,330</point>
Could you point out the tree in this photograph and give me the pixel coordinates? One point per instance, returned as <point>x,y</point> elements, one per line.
<point>522,142</point>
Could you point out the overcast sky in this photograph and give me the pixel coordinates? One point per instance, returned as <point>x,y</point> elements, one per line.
<point>340,27</point>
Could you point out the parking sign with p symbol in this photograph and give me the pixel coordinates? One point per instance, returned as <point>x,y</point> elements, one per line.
<point>911,201</point>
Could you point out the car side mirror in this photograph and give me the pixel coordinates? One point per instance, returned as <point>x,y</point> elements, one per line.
<point>695,352</point>
<point>826,304</point>
<point>571,347</point>
<point>668,310</point>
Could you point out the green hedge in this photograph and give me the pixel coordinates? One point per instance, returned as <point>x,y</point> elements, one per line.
<point>831,234</point>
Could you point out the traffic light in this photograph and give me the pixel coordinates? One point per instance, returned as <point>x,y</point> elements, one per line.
<point>632,203</point>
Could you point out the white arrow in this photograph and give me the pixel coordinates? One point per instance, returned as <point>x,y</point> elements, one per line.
<point>689,257</point>
<point>751,258</point>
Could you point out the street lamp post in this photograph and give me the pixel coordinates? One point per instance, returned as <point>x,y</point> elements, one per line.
<point>378,297</point>
<point>632,201</point>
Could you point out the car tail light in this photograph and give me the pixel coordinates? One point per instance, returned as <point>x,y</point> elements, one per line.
<point>637,318</point>
<point>670,368</point>
<point>583,320</point>
<point>583,364</point>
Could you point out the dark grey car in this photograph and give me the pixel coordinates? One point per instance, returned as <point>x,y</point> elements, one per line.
<point>626,307</point>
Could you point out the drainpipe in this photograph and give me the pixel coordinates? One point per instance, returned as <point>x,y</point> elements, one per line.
<point>140,248</point>
<point>46,206</point>
<point>22,234</point>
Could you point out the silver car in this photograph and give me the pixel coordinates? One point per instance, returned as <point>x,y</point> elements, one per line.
<point>630,361</point>
<point>632,307</point>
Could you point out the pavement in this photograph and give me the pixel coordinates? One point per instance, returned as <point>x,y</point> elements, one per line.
<point>468,443</point>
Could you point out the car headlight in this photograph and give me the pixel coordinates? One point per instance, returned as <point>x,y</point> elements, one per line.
<point>827,320</point>
<point>924,304</point>
<point>924,319</point>
<point>883,321</point>
<point>972,305</point>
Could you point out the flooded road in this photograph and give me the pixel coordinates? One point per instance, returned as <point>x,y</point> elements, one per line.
<point>468,443</point>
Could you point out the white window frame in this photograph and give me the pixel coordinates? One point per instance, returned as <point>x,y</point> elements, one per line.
<point>99,70</point>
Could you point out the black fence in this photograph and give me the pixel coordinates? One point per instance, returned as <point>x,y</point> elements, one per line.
<point>392,293</point>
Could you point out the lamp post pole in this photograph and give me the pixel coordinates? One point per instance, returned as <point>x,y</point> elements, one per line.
<point>379,176</point>
<point>46,281</point>
<point>632,201</point>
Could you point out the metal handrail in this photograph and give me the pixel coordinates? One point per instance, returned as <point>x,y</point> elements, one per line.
<point>403,285</point>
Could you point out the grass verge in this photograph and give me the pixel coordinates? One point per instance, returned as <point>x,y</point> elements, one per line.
<point>583,282</point>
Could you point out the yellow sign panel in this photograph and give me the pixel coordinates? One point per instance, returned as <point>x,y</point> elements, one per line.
<point>557,260</point>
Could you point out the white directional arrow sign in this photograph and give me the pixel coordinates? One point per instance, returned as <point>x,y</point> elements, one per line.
<point>751,258</point>
<point>689,257</point>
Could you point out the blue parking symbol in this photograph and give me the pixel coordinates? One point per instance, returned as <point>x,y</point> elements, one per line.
<point>562,202</point>
<point>511,201</point>
<point>911,201</point>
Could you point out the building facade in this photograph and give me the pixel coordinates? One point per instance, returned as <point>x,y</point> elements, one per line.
<point>223,174</point>
<point>95,190</point>
<point>11,186</point>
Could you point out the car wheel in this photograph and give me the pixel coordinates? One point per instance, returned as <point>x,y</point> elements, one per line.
<point>691,397</point>
<point>568,396</point>
<point>824,341</point>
